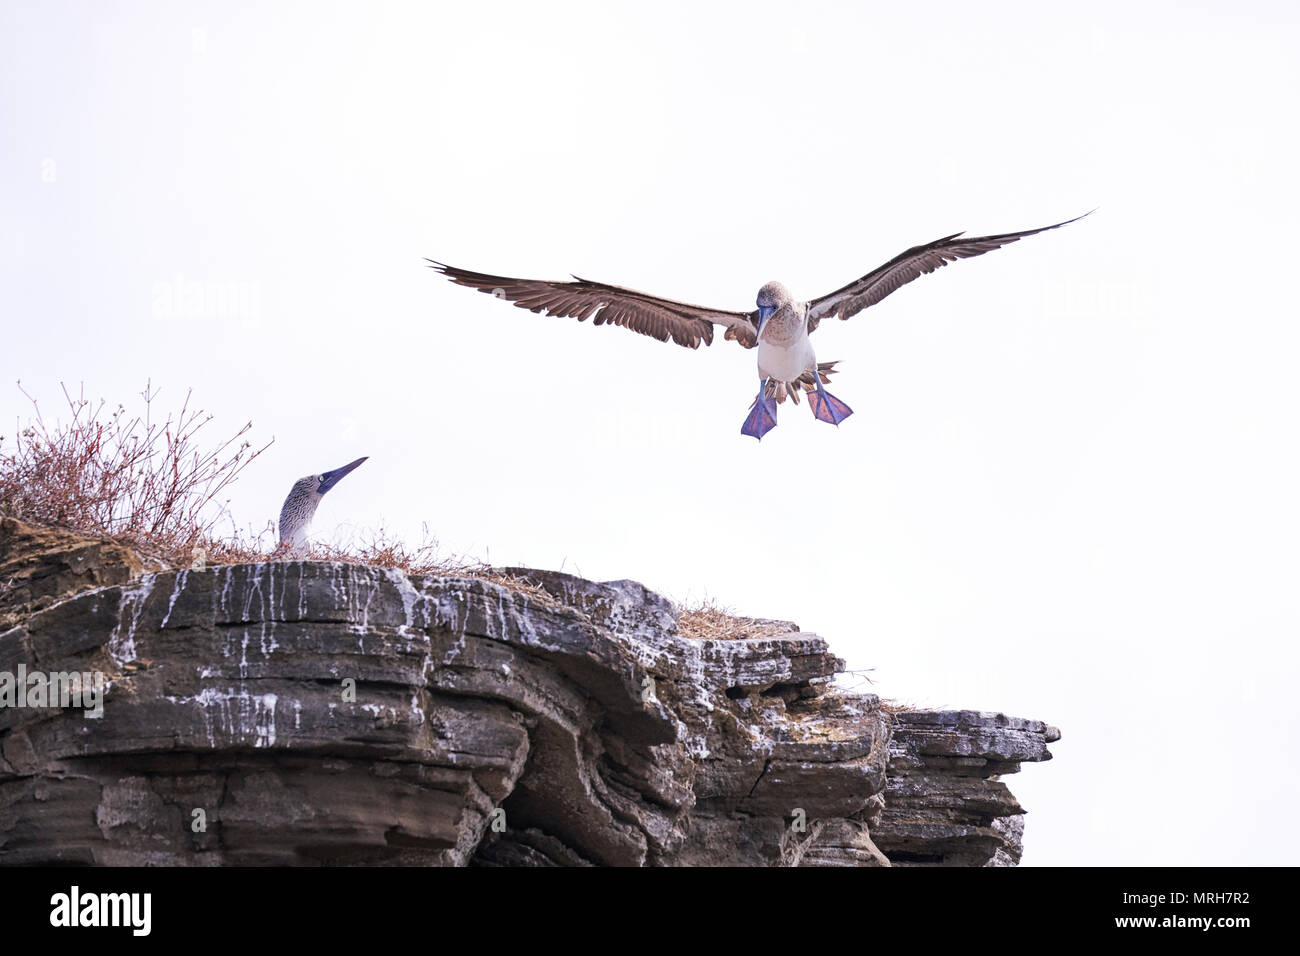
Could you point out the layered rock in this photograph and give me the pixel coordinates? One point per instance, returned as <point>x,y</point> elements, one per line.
<point>944,804</point>
<point>38,566</point>
<point>311,712</point>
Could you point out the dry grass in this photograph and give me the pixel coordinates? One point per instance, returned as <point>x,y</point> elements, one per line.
<point>381,551</point>
<point>855,680</point>
<point>892,706</point>
<point>709,622</point>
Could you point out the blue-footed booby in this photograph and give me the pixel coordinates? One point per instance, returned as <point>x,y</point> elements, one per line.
<point>300,506</point>
<point>779,327</point>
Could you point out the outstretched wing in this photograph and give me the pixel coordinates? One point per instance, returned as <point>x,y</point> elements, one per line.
<point>662,319</point>
<point>917,261</point>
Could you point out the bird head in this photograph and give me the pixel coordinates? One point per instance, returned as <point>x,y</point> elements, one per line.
<point>329,479</point>
<point>300,506</point>
<point>770,298</point>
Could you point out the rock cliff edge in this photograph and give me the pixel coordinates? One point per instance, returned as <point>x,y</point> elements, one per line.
<point>327,713</point>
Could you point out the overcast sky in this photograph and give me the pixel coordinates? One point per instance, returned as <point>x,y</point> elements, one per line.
<point>1069,490</point>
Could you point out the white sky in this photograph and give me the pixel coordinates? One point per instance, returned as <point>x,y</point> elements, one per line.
<point>1069,488</point>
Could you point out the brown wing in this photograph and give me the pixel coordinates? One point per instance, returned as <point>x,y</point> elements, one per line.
<point>902,269</point>
<point>662,319</point>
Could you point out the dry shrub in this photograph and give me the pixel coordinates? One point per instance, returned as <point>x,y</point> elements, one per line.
<point>128,477</point>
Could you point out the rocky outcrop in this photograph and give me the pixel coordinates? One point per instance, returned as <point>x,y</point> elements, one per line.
<point>944,804</point>
<point>311,712</point>
<point>38,566</point>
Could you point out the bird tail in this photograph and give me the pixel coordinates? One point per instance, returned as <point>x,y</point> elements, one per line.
<point>804,383</point>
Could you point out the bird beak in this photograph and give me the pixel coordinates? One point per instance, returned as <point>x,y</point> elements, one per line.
<point>764,313</point>
<point>332,478</point>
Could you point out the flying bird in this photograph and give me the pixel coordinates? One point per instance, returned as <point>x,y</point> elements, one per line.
<point>779,326</point>
<point>300,506</point>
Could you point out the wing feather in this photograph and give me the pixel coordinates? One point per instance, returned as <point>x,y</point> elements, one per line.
<point>902,269</point>
<point>582,299</point>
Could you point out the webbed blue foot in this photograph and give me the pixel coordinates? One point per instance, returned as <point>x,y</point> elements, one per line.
<point>762,417</point>
<point>827,408</point>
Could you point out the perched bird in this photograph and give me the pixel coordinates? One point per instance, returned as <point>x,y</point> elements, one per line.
<point>779,327</point>
<point>300,506</point>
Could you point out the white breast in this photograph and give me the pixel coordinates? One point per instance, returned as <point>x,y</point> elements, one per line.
<point>787,358</point>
